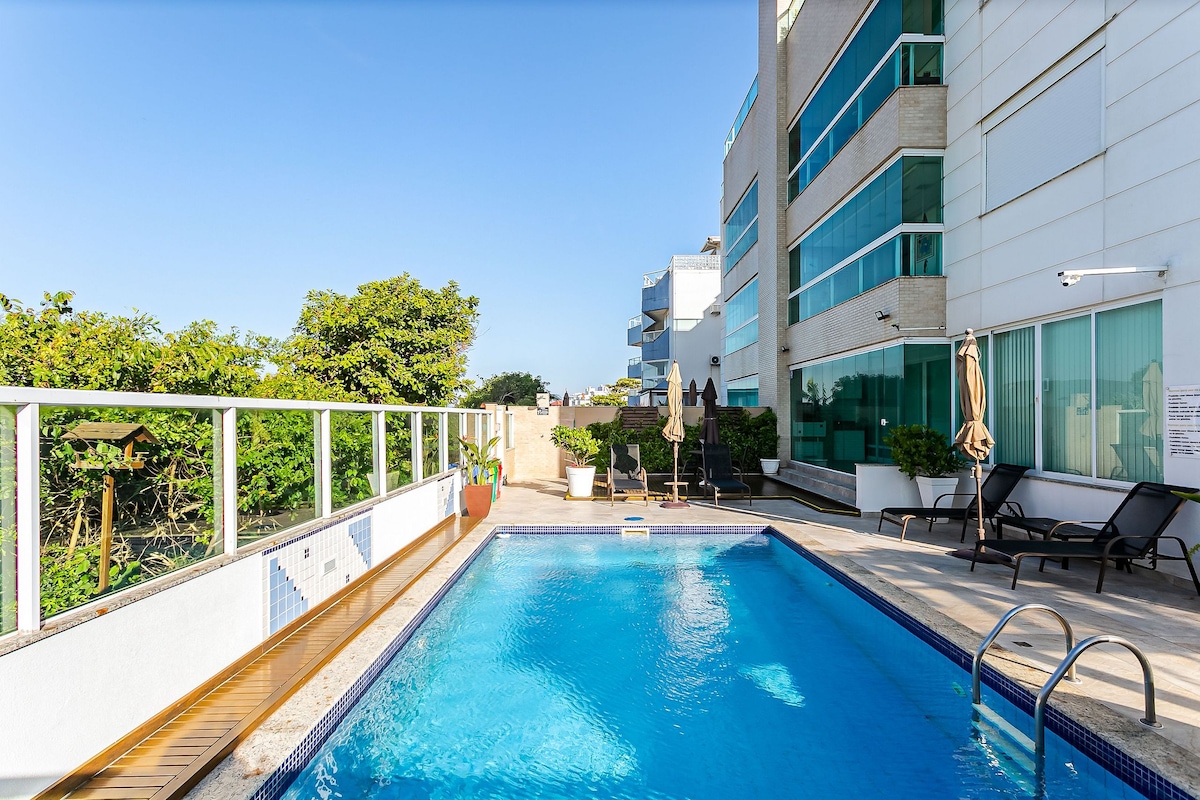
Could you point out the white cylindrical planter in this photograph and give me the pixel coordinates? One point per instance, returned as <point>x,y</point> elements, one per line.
<point>933,488</point>
<point>770,466</point>
<point>580,481</point>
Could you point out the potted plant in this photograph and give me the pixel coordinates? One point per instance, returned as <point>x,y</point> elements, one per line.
<point>766,441</point>
<point>926,456</point>
<point>479,466</point>
<point>582,447</point>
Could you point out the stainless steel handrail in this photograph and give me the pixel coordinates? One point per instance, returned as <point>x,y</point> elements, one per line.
<point>989,640</point>
<point>1068,666</point>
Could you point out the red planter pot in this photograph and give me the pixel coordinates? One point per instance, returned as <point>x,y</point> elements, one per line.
<point>479,500</point>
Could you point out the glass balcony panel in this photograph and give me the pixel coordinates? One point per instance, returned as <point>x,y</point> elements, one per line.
<point>353,457</point>
<point>657,348</point>
<point>276,475</point>
<point>454,429</point>
<point>127,495</point>
<point>431,463</point>
<point>398,449</point>
<point>657,297</point>
<point>633,336</point>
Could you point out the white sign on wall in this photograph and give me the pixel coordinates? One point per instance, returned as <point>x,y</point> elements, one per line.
<point>1183,421</point>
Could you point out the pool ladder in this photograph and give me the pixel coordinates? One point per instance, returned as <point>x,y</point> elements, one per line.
<point>1065,671</point>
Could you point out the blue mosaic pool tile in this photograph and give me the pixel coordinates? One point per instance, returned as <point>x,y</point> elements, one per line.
<point>360,534</point>
<point>287,601</point>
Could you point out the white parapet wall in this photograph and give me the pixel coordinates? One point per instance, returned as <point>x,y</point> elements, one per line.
<point>67,696</point>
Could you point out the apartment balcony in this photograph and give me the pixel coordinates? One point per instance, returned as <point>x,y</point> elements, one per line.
<point>635,367</point>
<point>656,295</point>
<point>656,346</point>
<point>654,373</point>
<point>633,336</point>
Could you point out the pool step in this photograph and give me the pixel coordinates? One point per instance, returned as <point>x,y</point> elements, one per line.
<point>1011,750</point>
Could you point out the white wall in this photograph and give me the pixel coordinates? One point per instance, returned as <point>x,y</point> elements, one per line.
<point>66,697</point>
<point>694,290</point>
<point>1134,204</point>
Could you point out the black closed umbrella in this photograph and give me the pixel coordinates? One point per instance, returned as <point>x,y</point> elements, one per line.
<point>691,395</point>
<point>566,401</point>
<point>708,427</point>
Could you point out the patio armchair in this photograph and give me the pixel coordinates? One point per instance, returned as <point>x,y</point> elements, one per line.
<point>1132,533</point>
<point>996,488</point>
<point>719,476</point>
<point>626,475</point>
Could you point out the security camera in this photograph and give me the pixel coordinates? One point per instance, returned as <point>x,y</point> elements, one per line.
<point>1069,278</point>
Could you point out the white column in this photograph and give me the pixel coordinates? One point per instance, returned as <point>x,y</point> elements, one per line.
<point>29,597</point>
<point>379,443</point>
<point>324,466</point>
<point>229,504</point>
<point>418,446</point>
<point>443,445</point>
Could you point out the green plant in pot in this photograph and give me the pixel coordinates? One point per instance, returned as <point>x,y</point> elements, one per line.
<point>582,447</point>
<point>925,455</point>
<point>479,465</point>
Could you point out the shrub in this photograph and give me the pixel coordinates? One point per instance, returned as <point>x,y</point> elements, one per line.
<point>578,442</point>
<point>922,450</point>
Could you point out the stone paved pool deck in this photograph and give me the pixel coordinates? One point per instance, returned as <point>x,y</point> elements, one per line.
<point>1159,616</point>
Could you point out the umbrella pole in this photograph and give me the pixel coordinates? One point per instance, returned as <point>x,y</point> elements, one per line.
<point>675,483</point>
<point>979,496</point>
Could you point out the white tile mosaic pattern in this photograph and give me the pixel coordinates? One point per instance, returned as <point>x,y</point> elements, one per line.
<point>302,572</point>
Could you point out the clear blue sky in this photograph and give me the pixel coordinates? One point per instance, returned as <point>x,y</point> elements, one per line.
<point>217,160</point>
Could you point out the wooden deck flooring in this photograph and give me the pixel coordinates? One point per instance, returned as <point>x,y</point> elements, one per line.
<point>170,755</point>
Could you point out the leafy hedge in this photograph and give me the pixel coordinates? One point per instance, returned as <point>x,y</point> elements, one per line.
<point>749,439</point>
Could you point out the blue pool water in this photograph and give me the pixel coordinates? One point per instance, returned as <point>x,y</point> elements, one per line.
<point>706,666</point>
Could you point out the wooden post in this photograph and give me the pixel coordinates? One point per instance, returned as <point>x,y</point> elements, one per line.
<point>106,528</point>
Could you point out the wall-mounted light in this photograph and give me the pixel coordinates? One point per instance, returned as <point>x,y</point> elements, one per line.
<point>1071,277</point>
<point>879,315</point>
<point>784,349</point>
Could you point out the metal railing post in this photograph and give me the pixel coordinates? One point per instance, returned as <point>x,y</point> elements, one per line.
<point>443,444</point>
<point>379,445</point>
<point>324,499</point>
<point>228,477</point>
<point>418,447</point>
<point>29,572</point>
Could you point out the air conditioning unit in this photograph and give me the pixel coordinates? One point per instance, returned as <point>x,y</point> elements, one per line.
<point>715,309</point>
<point>714,360</point>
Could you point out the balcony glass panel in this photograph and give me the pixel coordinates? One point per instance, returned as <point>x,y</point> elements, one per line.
<point>127,496</point>
<point>743,112</point>
<point>431,460</point>
<point>8,519</point>
<point>741,230</point>
<point>634,335</point>
<point>658,347</point>
<point>634,369</point>
<point>908,191</point>
<point>908,64</point>
<point>352,454</point>
<point>906,255</point>
<point>454,429</point>
<point>399,449</point>
<point>742,337</point>
<point>658,296</point>
<point>276,471</point>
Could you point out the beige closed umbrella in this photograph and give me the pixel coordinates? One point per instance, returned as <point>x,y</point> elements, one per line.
<point>673,431</point>
<point>973,439</point>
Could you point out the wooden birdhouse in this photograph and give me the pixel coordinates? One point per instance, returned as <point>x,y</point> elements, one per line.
<point>124,435</point>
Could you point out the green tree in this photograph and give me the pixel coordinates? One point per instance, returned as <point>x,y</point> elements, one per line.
<point>513,388</point>
<point>619,394</point>
<point>392,341</point>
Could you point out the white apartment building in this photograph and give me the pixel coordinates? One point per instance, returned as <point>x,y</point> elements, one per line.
<point>680,321</point>
<point>908,169</point>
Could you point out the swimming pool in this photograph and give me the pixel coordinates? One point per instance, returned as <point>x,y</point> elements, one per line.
<point>667,666</point>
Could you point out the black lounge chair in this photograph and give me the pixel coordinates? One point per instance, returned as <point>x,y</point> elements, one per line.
<point>1132,533</point>
<point>997,486</point>
<point>626,475</point>
<point>718,474</point>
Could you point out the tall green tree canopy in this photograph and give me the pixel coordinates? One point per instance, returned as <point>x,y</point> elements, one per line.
<point>58,347</point>
<point>513,388</point>
<point>392,341</point>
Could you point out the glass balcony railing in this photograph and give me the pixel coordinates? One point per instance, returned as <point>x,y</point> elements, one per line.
<point>743,112</point>
<point>656,345</point>
<point>635,368</point>
<point>633,334</point>
<point>657,296</point>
